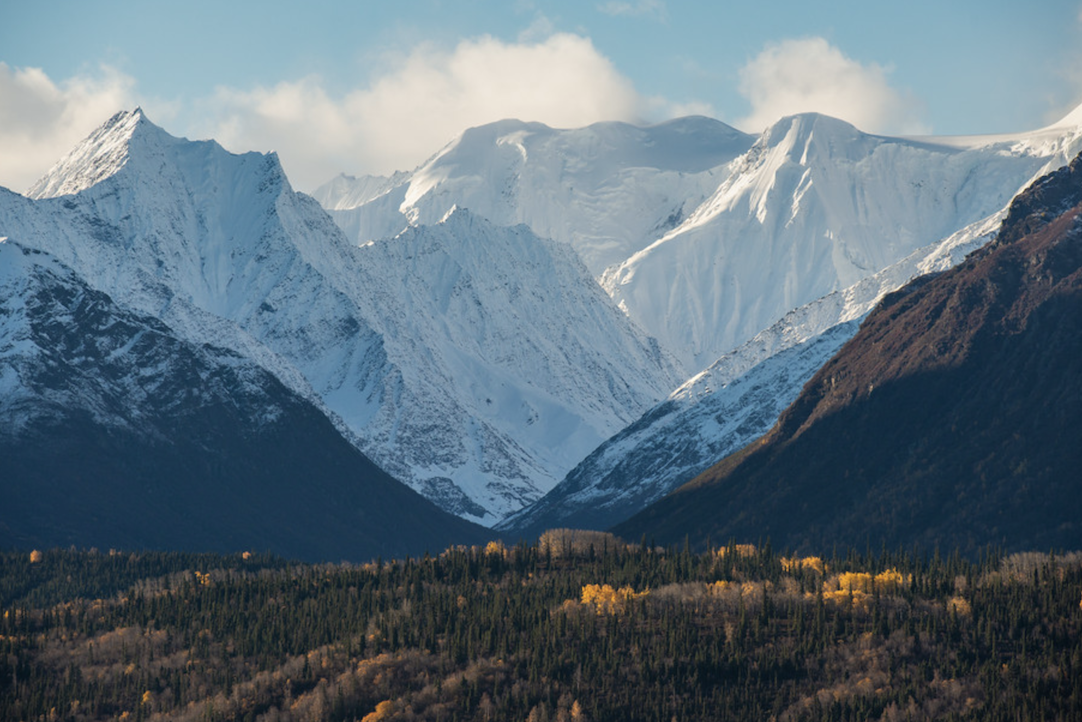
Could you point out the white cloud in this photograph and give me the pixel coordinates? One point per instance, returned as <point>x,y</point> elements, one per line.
<point>410,112</point>
<point>41,120</point>
<point>811,75</point>
<point>642,7</point>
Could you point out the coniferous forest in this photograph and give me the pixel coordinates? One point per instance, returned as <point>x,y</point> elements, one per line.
<point>581,626</point>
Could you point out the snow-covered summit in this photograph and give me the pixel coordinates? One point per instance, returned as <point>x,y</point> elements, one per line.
<point>103,153</point>
<point>607,189</point>
<point>813,207</point>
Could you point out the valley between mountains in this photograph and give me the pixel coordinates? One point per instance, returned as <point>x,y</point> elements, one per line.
<point>543,328</point>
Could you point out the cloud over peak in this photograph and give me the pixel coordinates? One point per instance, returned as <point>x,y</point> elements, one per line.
<point>408,113</point>
<point>811,75</point>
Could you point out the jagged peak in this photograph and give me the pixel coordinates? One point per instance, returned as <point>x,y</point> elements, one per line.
<point>130,141</point>
<point>454,214</point>
<point>100,155</point>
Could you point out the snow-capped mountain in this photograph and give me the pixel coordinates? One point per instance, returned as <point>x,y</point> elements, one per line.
<point>608,189</point>
<point>115,432</point>
<point>814,207</point>
<point>477,362</point>
<point>739,397</point>
<point>706,236</point>
<point>542,365</point>
<point>950,419</point>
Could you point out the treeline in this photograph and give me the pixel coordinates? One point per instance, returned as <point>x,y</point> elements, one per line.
<point>578,627</point>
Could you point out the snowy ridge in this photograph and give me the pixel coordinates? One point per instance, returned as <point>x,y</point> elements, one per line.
<point>345,191</point>
<point>607,190</point>
<point>542,365</point>
<point>813,207</point>
<point>101,155</point>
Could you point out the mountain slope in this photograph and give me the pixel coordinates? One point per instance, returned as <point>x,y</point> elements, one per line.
<point>952,418</point>
<point>115,433</point>
<point>452,386</point>
<point>729,405</point>
<point>608,189</point>
<point>530,345</point>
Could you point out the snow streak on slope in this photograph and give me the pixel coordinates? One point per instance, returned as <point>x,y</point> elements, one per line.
<point>813,207</point>
<point>608,189</point>
<point>220,248</point>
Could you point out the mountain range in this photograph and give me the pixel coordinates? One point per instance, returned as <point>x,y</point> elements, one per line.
<point>535,328</point>
<point>417,348</point>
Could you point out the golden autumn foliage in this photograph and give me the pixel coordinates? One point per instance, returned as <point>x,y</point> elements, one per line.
<point>793,564</point>
<point>959,606</point>
<point>604,598</point>
<point>739,550</point>
<point>858,587</point>
<point>383,711</point>
<point>35,556</point>
<point>495,548</point>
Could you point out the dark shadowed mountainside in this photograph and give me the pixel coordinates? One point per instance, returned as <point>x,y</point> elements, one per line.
<point>116,433</point>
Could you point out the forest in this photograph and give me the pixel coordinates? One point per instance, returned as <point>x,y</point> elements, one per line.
<point>580,626</point>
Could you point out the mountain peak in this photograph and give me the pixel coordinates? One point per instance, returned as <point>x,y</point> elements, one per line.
<point>798,130</point>
<point>100,155</point>
<point>1071,120</point>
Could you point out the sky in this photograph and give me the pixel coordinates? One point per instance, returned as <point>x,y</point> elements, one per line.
<point>373,87</point>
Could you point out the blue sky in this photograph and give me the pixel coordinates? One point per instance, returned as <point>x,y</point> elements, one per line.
<point>370,87</point>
